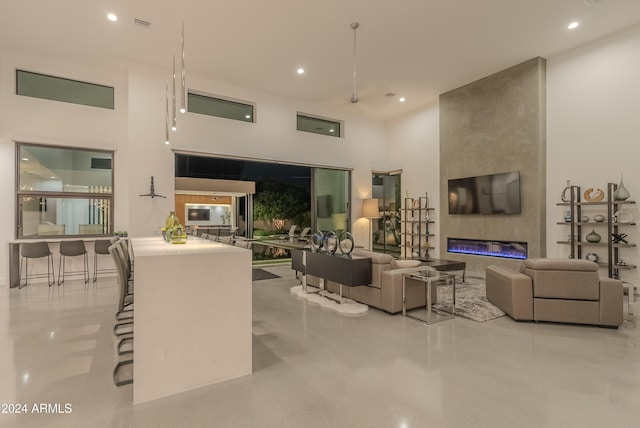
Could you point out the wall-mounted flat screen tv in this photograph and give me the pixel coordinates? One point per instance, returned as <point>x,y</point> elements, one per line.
<point>485,194</point>
<point>198,214</point>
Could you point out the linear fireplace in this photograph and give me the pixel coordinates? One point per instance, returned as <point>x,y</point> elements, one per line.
<point>482,247</point>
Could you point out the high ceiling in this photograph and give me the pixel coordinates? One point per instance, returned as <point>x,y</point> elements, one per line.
<point>417,49</point>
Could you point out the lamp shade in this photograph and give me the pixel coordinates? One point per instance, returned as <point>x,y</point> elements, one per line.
<point>370,208</point>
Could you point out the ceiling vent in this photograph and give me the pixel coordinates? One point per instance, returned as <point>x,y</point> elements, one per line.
<point>141,23</point>
<point>590,3</point>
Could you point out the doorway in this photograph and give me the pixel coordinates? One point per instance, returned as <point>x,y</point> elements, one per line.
<point>386,228</point>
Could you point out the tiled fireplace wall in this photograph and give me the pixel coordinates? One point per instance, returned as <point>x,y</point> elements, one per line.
<point>494,125</point>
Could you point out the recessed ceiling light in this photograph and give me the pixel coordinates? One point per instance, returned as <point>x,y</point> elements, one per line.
<point>248,116</point>
<point>24,159</point>
<point>52,177</point>
<point>301,70</point>
<point>183,110</point>
<point>402,99</point>
<point>173,128</point>
<point>332,130</point>
<point>112,17</point>
<point>573,25</point>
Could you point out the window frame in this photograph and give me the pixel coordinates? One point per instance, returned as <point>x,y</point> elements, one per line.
<point>226,100</point>
<point>112,105</point>
<point>338,123</point>
<point>21,193</point>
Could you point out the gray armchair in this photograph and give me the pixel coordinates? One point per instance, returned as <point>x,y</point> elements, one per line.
<point>556,290</point>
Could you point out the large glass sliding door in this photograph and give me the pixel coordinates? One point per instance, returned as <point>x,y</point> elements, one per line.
<point>330,200</point>
<point>386,229</point>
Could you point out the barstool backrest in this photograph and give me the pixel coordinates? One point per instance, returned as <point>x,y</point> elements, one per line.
<point>72,248</point>
<point>102,246</point>
<point>34,250</point>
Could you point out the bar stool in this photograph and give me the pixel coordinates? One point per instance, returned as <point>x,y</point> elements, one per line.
<point>72,249</point>
<point>36,250</point>
<point>101,247</point>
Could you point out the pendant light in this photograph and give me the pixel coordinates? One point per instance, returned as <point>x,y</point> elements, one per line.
<point>354,95</point>
<point>166,136</point>
<point>183,85</point>
<point>174,125</point>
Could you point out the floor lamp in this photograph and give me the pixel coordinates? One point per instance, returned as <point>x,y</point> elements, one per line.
<point>370,210</point>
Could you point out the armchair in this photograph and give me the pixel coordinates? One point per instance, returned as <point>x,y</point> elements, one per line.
<point>556,290</point>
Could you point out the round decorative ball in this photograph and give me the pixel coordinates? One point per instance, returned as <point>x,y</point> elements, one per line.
<point>584,219</point>
<point>598,218</point>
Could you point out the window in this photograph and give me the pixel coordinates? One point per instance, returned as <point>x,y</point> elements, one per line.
<point>63,191</point>
<point>219,107</point>
<point>66,90</point>
<point>319,125</point>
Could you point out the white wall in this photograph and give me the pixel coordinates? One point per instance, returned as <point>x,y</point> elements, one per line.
<point>593,129</point>
<point>136,130</point>
<point>414,146</point>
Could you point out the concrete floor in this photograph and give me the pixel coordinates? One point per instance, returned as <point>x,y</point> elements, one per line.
<point>314,368</point>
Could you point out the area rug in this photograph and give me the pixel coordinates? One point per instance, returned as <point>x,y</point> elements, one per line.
<point>471,300</point>
<point>258,274</point>
<point>348,307</point>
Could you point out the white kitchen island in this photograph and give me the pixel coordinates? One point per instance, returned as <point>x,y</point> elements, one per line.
<point>192,315</point>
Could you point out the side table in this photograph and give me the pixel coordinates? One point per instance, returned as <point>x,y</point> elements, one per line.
<point>429,278</point>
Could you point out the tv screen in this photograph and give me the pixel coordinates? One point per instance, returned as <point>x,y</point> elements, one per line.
<point>485,194</point>
<point>199,214</point>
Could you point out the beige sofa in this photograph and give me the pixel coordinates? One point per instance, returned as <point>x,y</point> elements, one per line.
<point>557,290</point>
<point>385,290</point>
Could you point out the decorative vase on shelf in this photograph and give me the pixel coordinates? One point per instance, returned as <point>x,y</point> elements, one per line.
<point>593,237</point>
<point>566,193</point>
<point>567,216</point>
<point>621,193</point>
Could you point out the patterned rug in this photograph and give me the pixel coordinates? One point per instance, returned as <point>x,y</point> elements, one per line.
<point>471,300</point>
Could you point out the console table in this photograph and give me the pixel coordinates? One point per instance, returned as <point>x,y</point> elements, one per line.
<point>348,270</point>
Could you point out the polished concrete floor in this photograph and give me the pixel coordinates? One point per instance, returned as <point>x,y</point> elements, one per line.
<point>313,368</point>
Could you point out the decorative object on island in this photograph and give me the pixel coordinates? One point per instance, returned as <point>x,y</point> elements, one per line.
<point>566,193</point>
<point>173,232</point>
<point>591,196</point>
<point>598,218</point>
<point>178,235</point>
<point>593,237</point>
<point>346,242</point>
<point>370,210</point>
<point>621,193</point>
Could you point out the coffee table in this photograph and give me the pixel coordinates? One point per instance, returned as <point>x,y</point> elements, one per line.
<point>430,277</point>
<point>445,265</point>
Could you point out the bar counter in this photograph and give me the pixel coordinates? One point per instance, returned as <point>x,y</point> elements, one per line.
<point>192,315</point>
